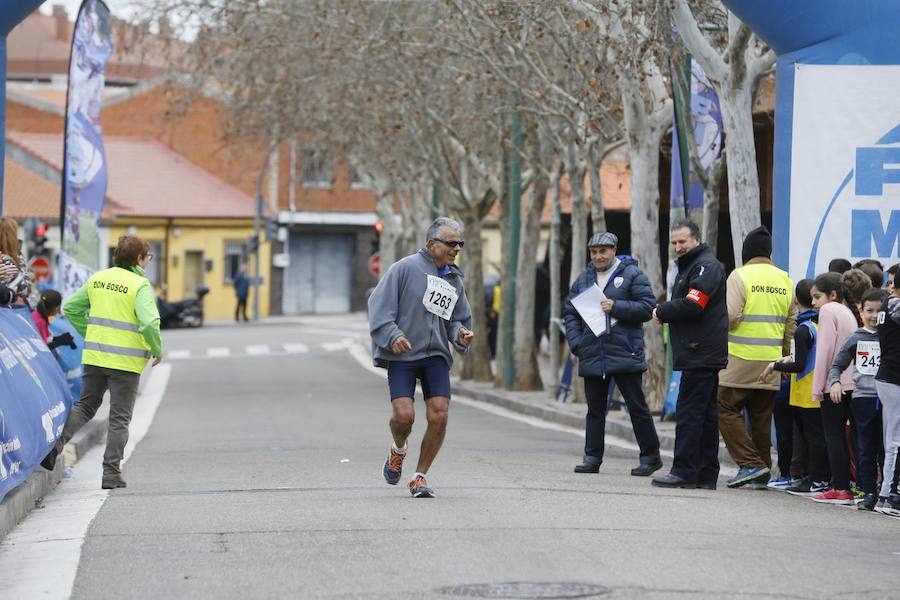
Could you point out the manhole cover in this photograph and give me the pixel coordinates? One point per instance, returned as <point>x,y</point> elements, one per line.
<point>524,590</point>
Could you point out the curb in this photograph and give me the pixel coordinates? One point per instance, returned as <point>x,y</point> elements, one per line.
<point>24,498</point>
<point>620,428</point>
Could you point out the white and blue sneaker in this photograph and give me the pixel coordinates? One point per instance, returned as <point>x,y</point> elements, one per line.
<point>780,483</point>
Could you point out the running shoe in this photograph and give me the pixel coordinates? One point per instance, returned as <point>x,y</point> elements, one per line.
<point>808,488</point>
<point>780,483</point>
<point>858,493</point>
<point>834,497</point>
<point>867,503</point>
<point>879,506</point>
<point>892,506</point>
<point>746,475</point>
<point>418,487</point>
<point>393,466</point>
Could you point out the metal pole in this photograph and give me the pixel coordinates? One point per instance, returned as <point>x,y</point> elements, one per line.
<point>515,217</point>
<point>257,221</point>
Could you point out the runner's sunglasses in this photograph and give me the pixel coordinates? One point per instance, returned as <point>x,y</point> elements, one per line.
<point>451,243</point>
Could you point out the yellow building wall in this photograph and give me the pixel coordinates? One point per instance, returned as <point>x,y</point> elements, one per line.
<point>493,250</point>
<point>177,237</point>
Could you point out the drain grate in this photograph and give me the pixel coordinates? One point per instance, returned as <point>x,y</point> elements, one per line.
<point>527,590</point>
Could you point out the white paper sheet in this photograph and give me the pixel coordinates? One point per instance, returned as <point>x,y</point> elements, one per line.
<point>588,306</point>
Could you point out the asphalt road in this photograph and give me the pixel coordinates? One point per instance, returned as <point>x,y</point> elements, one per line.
<point>260,477</point>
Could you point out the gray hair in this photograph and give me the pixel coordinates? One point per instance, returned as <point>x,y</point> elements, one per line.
<point>438,224</point>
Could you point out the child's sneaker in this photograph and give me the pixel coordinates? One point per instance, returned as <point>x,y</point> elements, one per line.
<point>892,506</point>
<point>834,497</point>
<point>867,503</point>
<point>393,465</point>
<point>418,487</point>
<point>780,484</point>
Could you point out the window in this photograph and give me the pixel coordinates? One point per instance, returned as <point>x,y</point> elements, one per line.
<point>315,166</point>
<point>234,256</point>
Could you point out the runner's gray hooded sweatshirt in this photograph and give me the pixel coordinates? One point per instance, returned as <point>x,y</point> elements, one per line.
<point>396,308</point>
<point>864,385</point>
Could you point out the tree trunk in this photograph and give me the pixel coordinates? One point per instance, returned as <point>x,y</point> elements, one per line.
<point>743,178</point>
<point>576,168</point>
<point>645,248</point>
<point>598,215</point>
<point>711,203</point>
<point>387,241</point>
<point>528,375</point>
<point>555,291</point>
<point>477,362</point>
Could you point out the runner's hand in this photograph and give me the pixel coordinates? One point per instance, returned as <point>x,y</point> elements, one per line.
<point>465,337</point>
<point>836,392</point>
<point>401,345</point>
<point>156,360</point>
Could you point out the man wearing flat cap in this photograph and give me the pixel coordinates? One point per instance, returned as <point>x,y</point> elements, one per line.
<point>617,354</point>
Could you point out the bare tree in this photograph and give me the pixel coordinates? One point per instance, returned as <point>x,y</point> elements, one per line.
<point>734,67</point>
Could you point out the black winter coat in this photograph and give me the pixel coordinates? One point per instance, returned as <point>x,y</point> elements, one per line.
<point>622,349</point>
<point>698,313</point>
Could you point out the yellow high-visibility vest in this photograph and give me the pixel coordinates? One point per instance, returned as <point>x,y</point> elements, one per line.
<point>760,334</point>
<point>113,339</point>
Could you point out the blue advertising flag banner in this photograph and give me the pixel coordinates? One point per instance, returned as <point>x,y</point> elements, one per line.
<point>69,359</point>
<point>34,398</point>
<point>837,129</point>
<point>85,173</point>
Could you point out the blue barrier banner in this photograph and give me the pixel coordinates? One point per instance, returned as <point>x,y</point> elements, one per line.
<point>69,359</point>
<point>34,398</point>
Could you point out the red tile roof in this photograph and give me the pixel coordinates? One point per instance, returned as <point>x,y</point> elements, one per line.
<point>27,194</point>
<point>148,179</point>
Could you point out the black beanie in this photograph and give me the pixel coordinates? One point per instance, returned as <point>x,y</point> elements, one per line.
<point>758,243</point>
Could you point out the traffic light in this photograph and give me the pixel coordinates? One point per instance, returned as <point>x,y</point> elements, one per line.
<point>252,244</point>
<point>40,239</point>
<point>376,240</point>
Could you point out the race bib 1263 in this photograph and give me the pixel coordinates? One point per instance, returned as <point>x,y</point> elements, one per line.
<point>440,297</point>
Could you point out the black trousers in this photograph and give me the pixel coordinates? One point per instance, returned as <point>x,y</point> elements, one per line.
<point>814,443</point>
<point>697,427</point>
<point>241,308</point>
<point>784,433</point>
<point>869,442</point>
<point>597,391</point>
<point>834,421</point>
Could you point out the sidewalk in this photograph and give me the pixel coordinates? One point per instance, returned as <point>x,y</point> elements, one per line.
<point>27,496</point>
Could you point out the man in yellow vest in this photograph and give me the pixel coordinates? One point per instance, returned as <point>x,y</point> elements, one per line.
<point>761,323</point>
<point>116,313</point>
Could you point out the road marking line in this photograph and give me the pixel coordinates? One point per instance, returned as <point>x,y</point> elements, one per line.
<point>345,344</point>
<point>178,355</point>
<point>217,352</point>
<point>257,349</point>
<point>50,540</point>
<point>365,360</point>
<point>296,348</point>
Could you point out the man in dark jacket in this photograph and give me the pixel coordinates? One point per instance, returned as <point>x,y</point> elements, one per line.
<point>618,353</point>
<point>241,291</point>
<point>698,331</point>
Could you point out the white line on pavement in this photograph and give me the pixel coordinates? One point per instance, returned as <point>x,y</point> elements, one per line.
<point>39,558</point>
<point>257,350</point>
<point>178,354</point>
<point>296,348</point>
<point>365,360</point>
<point>218,352</point>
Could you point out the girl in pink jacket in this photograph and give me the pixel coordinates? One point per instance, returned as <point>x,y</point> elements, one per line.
<point>837,320</point>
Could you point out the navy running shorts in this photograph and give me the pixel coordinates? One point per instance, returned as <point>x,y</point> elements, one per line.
<point>433,372</point>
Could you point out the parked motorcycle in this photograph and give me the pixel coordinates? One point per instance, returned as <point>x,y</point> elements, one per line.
<point>187,313</point>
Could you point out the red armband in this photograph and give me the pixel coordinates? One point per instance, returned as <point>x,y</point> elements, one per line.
<point>698,297</point>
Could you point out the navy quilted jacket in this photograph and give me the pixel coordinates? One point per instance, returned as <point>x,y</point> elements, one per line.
<point>622,349</point>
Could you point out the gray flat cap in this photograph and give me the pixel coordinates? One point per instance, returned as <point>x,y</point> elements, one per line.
<point>604,238</point>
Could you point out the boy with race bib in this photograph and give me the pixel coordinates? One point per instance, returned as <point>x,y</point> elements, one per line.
<point>418,310</point>
<point>863,350</point>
